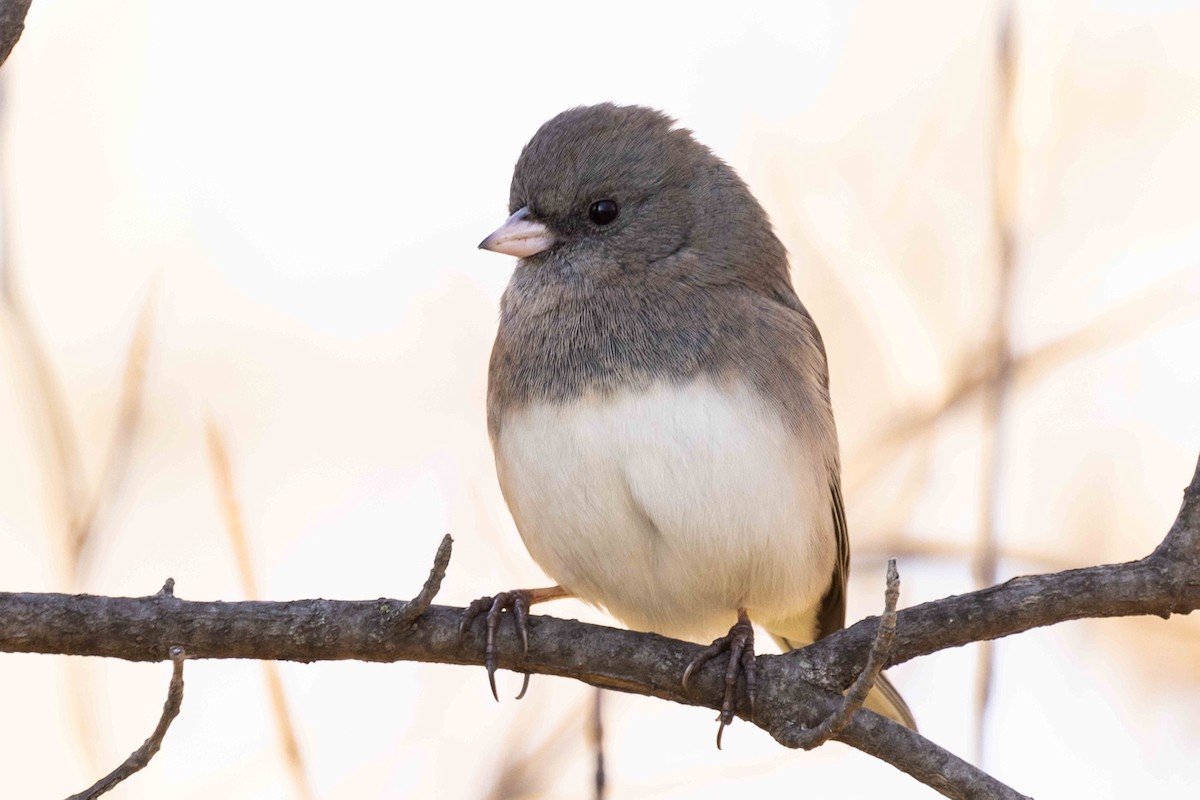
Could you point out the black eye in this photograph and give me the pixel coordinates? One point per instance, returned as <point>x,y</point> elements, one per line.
<point>603,212</point>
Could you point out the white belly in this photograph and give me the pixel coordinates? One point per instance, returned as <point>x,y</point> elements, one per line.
<point>672,507</point>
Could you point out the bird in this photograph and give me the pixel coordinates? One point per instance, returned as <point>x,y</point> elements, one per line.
<point>658,400</point>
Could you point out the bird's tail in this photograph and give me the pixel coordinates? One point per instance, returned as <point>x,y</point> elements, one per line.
<point>883,699</point>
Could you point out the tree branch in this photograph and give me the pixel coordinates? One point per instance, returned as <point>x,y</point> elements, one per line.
<point>12,24</point>
<point>797,690</point>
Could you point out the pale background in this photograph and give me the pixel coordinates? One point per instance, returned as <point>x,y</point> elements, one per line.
<point>289,196</point>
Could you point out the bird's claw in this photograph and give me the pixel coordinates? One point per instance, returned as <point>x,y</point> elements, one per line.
<point>516,602</point>
<point>739,644</point>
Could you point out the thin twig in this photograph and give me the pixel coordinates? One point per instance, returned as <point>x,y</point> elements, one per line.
<point>833,725</point>
<point>139,758</point>
<point>433,584</point>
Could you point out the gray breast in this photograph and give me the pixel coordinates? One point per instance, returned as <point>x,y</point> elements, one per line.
<point>560,339</point>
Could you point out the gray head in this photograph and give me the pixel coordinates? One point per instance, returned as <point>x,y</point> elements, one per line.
<point>615,191</point>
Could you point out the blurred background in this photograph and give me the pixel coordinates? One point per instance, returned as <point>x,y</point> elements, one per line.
<point>244,332</point>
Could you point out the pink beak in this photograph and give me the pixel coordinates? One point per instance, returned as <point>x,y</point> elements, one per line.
<point>519,236</point>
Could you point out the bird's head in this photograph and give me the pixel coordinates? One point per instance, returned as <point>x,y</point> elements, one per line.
<point>622,190</point>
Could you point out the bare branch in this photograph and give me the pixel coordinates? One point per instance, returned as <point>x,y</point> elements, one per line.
<point>141,757</point>
<point>797,690</point>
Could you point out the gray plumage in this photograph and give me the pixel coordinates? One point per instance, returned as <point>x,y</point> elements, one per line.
<point>687,287</point>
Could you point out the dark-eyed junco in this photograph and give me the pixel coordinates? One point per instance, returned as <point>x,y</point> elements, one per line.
<point>658,397</point>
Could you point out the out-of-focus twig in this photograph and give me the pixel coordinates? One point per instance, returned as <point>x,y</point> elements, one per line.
<point>997,391</point>
<point>1157,306</point>
<point>73,505</point>
<point>231,509</point>
<point>116,461</point>
<point>231,512</point>
<point>77,501</point>
<point>528,773</point>
<point>904,544</point>
<point>46,402</point>
<point>597,740</point>
<point>139,758</point>
<point>77,505</point>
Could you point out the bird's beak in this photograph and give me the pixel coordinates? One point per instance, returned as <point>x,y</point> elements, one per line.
<point>519,236</point>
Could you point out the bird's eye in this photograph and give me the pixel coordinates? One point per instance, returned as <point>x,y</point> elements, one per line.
<point>603,212</point>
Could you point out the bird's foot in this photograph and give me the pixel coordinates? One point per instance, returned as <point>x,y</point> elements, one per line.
<point>739,643</point>
<point>517,603</point>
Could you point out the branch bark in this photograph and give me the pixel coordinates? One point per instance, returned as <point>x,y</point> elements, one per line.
<point>797,690</point>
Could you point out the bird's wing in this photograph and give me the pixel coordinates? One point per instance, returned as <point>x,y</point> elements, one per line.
<point>832,614</point>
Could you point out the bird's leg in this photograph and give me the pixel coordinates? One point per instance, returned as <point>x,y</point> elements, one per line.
<point>517,602</point>
<point>739,643</point>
